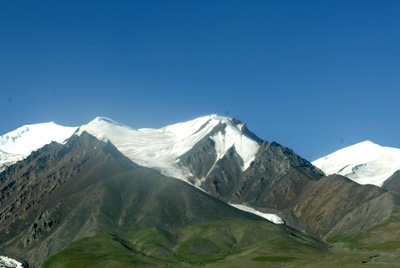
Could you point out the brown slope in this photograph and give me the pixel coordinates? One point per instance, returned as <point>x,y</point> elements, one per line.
<point>337,205</point>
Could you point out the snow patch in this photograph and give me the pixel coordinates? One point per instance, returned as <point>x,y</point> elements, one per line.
<point>244,146</point>
<point>6,262</point>
<point>271,217</point>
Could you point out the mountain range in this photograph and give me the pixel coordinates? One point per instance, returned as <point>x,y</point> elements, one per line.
<point>107,183</point>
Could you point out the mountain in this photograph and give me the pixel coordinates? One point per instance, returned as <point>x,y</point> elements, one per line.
<point>112,196</point>
<point>61,193</point>
<point>18,144</point>
<point>214,153</point>
<point>86,190</point>
<point>217,154</point>
<point>364,163</point>
<point>161,148</point>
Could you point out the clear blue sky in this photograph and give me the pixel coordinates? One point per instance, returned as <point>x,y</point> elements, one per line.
<point>315,76</point>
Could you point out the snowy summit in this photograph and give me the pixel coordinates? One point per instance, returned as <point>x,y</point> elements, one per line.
<point>364,163</point>
<point>18,144</point>
<point>161,148</point>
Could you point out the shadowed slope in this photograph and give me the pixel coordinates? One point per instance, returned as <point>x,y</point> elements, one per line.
<point>393,182</point>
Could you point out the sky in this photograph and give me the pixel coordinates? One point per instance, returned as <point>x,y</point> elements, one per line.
<point>315,76</point>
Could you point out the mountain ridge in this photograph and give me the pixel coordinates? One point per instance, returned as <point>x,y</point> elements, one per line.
<point>92,184</point>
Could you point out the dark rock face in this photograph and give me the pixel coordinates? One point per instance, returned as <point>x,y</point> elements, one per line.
<point>393,183</point>
<point>224,178</point>
<point>275,179</point>
<point>62,193</point>
<point>200,159</point>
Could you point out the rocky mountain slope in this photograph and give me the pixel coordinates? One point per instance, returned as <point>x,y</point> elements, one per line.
<point>217,154</point>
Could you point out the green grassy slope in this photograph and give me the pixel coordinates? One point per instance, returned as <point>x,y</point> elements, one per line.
<point>384,236</point>
<point>197,245</point>
<point>235,243</point>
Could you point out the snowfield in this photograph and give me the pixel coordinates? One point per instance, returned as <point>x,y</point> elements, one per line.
<point>364,163</point>
<point>161,148</point>
<point>154,148</point>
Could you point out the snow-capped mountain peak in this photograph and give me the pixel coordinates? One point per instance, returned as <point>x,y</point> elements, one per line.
<point>364,162</point>
<point>155,148</point>
<point>161,148</point>
<point>19,143</point>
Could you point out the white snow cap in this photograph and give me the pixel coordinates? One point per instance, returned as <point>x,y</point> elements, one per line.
<point>161,148</point>
<point>153,148</point>
<point>18,144</point>
<point>364,163</point>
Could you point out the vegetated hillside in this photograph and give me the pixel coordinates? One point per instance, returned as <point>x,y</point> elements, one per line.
<point>248,243</point>
<point>337,205</point>
<point>383,237</point>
